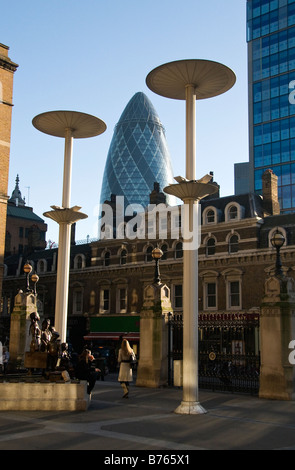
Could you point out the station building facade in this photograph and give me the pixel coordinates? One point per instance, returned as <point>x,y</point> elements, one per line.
<point>108,277</point>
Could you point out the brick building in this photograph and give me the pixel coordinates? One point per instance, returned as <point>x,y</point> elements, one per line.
<point>7,69</point>
<point>107,277</point>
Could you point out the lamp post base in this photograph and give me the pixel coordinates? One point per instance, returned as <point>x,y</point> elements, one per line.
<point>190,408</point>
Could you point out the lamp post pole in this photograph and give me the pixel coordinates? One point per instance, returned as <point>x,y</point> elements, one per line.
<point>69,125</point>
<point>277,242</point>
<point>190,80</point>
<point>157,255</point>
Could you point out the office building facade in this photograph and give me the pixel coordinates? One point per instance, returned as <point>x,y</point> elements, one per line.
<point>271,68</point>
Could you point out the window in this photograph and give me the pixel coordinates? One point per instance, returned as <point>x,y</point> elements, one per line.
<point>234,294</point>
<point>79,261</point>
<point>106,260</point>
<point>178,250</point>
<point>210,247</point>
<point>233,245</point>
<point>232,213</point>
<point>121,300</point>
<point>210,295</point>
<point>210,217</point>
<point>210,285</point>
<point>164,248</point>
<point>123,257</point>
<point>104,301</point>
<point>177,296</point>
<point>233,282</point>
<point>148,254</point>
<point>77,302</point>
<point>41,266</point>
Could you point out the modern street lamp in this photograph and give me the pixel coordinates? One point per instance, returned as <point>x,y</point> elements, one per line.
<point>277,242</point>
<point>69,125</point>
<point>190,80</point>
<point>157,254</point>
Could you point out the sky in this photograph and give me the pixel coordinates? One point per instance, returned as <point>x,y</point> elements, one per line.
<point>92,57</point>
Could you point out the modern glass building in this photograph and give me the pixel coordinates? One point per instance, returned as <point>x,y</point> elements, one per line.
<point>138,155</point>
<point>271,59</point>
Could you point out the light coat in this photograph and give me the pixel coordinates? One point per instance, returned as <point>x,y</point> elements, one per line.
<point>125,372</point>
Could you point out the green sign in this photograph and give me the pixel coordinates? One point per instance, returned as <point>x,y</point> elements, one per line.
<point>123,324</point>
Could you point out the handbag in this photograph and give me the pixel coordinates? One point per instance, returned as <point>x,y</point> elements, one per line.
<point>133,361</point>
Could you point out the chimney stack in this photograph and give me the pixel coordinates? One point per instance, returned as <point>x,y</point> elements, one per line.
<point>271,204</point>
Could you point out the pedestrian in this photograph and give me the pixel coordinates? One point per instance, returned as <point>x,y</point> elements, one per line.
<point>86,370</point>
<point>125,357</point>
<point>5,358</point>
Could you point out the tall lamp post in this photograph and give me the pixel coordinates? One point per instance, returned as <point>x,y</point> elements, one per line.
<point>190,80</point>
<point>28,269</point>
<point>69,125</point>
<point>277,242</point>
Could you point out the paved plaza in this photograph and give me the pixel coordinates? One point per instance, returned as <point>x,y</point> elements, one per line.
<point>147,422</point>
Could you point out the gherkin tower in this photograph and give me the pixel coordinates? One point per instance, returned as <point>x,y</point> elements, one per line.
<point>138,155</point>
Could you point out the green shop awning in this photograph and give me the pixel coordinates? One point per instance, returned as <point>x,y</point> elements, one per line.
<point>112,327</point>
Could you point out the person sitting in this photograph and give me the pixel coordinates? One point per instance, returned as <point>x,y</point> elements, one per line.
<point>86,371</point>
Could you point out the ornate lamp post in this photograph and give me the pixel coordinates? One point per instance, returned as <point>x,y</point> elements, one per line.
<point>277,242</point>
<point>157,254</point>
<point>28,269</point>
<point>35,279</point>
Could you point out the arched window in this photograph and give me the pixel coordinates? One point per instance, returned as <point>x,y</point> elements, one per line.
<point>79,261</point>
<point>164,248</point>
<point>107,257</point>
<point>41,266</point>
<point>210,217</point>
<point>148,254</point>
<point>233,244</point>
<point>178,250</point>
<point>232,212</point>
<point>210,247</point>
<point>123,257</point>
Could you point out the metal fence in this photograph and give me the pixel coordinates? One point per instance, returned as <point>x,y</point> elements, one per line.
<point>228,351</point>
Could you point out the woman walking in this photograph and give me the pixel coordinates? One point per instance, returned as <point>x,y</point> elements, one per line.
<point>126,355</point>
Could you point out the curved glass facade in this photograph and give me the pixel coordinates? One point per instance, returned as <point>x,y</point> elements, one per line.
<point>271,47</point>
<point>138,155</point>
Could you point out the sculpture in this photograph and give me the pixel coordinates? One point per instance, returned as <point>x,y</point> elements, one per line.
<point>35,332</point>
<point>46,335</point>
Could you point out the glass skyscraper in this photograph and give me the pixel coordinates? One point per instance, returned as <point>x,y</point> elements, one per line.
<point>271,65</point>
<point>138,155</point>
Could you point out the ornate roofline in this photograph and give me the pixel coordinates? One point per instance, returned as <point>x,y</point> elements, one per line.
<point>6,63</point>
